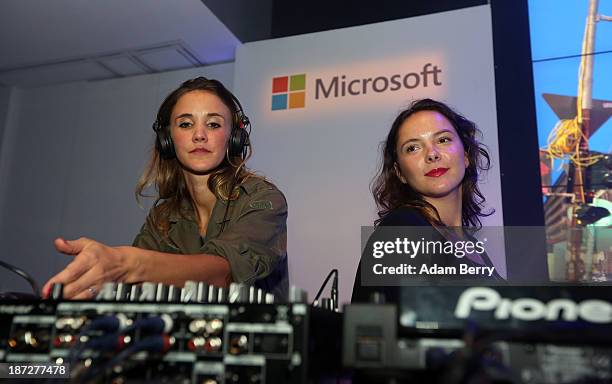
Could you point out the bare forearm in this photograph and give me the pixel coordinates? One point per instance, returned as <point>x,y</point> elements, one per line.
<point>168,268</point>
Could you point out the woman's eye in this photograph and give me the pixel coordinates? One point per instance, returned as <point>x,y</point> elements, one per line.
<point>445,140</point>
<point>185,124</point>
<point>213,124</point>
<point>411,148</point>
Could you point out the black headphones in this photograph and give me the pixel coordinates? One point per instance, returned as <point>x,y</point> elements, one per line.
<point>238,142</point>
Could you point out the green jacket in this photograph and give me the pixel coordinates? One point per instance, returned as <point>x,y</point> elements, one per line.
<point>254,240</point>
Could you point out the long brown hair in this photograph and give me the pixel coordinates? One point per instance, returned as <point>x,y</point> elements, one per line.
<point>390,193</point>
<point>166,173</point>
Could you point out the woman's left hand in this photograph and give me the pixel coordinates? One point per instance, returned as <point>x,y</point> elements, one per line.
<point>94,264</point>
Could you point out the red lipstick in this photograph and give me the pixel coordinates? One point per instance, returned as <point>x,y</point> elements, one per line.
<point>437,172</point>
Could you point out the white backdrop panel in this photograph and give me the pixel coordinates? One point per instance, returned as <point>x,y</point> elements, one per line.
<point>324,155</point>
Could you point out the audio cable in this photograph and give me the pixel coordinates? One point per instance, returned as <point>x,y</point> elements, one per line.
<point>116,327</point>
<point>152,344</point>
<point>334,290</point>
<point>22,274</point>
<point>106,324</point>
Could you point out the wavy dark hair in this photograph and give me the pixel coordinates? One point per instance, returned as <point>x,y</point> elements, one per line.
<point>166,173</point>
<point>390,193</point>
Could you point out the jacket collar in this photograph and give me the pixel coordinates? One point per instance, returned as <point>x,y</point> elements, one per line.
<point>247,186</point>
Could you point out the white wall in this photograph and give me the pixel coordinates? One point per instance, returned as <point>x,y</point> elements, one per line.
<point>70,157</point>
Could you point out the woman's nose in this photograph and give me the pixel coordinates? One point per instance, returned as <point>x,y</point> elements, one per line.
<point>433,155</point>
<point>199,134</point>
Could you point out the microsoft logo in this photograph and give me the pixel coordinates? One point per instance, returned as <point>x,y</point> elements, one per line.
<point>289,92</point>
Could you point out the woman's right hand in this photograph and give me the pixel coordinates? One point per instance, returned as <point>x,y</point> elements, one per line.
<point>94,264</point>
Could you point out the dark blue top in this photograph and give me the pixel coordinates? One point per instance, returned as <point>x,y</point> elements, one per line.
<point>409,217</point>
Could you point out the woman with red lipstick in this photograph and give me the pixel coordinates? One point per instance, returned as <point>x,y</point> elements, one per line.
<point>429,178</point>
<point>213,220</point>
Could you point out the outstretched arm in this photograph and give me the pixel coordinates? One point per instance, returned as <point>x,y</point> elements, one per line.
<point>95,263</point>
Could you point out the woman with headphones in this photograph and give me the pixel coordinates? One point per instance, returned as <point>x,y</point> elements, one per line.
<point>213,221</point>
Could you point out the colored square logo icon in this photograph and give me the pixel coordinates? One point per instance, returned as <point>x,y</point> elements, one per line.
<point>280,84</point>
<point>279,102</point>
<point>289,92</point>
<point>297,100</point>
<point>298,82</point>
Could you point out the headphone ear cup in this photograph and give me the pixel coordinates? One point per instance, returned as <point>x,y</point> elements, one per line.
<point>163,142</point>
<point>238,143</point>
<point>167,147</point>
